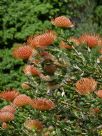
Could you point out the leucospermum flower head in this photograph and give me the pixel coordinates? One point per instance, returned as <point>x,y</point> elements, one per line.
<point>62,21</point>
<point>99,93</point>
<point>22,100</point>
<point>42,104</point>
<point>89,39</point>
<point>8,108</point>
<point>33,124</point>
<point>42,40</point>
<point>31,70</point>
<point>22,52</point>
<point>9,95</point>
<point>85,86</point>
<point>6,116</point>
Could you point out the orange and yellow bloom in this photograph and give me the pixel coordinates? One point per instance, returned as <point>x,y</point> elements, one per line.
<point>85,86</point>
<point>42,104</point>
<point>9,95</point>
<point>89,39</point>
<point>22,100</point>
<point>42,40</point>
<point>62,21</point>
<point>22,52</point>
<point>33,124</point>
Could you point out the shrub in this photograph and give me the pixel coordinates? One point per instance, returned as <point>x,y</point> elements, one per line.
<point>63,100</point>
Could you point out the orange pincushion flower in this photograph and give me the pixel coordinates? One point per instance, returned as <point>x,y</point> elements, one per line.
<point>30,70</point>
<point>9,95</point>
<point>8,108</point>
<point>42,40</point>
<point>99,93</point>
<point>89,39</point>
<point>33,124</point>
<point>63,45</point>
<point>85,85</point>
<point>6,116</point>
<point>42,104</point>
<point>62,21</point>
<point>22,100</point>
<point>22,52</point>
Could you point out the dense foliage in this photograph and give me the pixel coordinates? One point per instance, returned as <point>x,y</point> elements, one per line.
<point>19,19</point>
<point>54,93</point>
<point>10,70</point>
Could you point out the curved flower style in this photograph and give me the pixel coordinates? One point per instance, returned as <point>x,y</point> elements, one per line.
<point>42,104</point>
<point>22,52</point>
<point>62,21</point>
<point>33,124</point>
<point>85,85</point>
<point>9,95</point>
